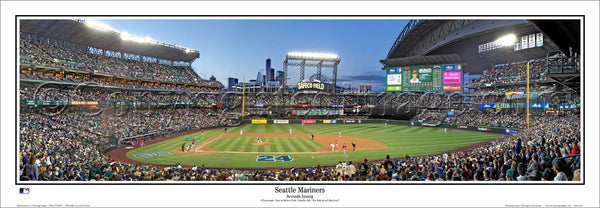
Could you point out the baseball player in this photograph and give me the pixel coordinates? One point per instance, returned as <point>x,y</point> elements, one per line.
<point>241,132</point>
<point>258,140</point>
<point>313,136</point>
<point>336,145</point>
<point>340,134</point>
<point>290,130</point>
<point>332,146</point>
<point>445,130</point>
<point>142,143</point>
<point>201,132</point>
<point>183,147</point>
<point>344,148</point>
<point>193,143</point>
<point>353,147</point>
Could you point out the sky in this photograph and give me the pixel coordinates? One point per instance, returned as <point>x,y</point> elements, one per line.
<point>236,48</point>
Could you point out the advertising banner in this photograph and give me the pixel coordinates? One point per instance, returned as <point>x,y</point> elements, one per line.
<point>483,129</point>
<point>452,88</point>
<point>281,121</point>
<point>394,79</point>
<point>450,113</point>
<point>394,88</point>
<point>349,121</point>
<point>510,131</point>
<point>452,67</point>
<point>452,77</point>
<point>539,105</point>
<point>259,121</point>
<point>487,105</point>
<point>326,121</point>
<point>311,121</point>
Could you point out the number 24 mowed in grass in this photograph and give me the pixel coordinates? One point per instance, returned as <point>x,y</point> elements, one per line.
<point>270,158</point>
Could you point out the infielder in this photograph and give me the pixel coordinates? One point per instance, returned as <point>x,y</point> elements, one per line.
<point>332,146</point>
<point>340,134</point>
<point>258,140</point>
<point>290,130</point>
<point>336,145</point>
<point>344,148</point>
<point>241,132</point>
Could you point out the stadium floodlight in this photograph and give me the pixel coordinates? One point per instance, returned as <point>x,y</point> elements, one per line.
<point>310,55</point>
<point>507,40</point>
<point>98,25</point>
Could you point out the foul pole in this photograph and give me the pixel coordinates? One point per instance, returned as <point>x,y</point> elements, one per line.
<point>243,96</point>
<point>527,94</point>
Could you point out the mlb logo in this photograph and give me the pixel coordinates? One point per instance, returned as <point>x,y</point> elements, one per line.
<point>23,190</point>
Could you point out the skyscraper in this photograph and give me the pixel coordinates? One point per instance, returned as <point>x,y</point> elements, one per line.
<point>279,77</point>
<point>269,71</point>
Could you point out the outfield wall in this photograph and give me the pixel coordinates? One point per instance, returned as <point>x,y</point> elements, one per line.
<point>495,130</point>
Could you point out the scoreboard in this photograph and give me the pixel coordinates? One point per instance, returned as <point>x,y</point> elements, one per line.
<point>438,77</point>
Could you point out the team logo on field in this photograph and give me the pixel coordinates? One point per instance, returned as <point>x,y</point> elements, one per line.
<point>192,139</point>
<point>153,154</point>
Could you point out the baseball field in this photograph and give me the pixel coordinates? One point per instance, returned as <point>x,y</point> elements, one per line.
<point>279,148</point>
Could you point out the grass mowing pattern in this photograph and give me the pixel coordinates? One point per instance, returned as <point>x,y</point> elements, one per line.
<point>402,140</point>
<point>278,144</point>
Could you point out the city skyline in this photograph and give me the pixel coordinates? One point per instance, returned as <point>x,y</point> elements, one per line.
<point>239,48</point>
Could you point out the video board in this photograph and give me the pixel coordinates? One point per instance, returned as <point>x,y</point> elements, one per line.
<point>438,77</point>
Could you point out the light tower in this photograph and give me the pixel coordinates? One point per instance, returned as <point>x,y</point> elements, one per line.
<point>318,60</point>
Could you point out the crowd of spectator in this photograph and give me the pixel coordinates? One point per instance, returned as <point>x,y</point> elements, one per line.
<point>48,54</point>
<point>512,73</point>
<point>549,151</point>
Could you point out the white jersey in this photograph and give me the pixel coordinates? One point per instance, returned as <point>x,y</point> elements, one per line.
<point>290,131</point>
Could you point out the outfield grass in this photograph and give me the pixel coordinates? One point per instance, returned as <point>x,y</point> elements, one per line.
<point>278,144</point>
<point>401,140</point>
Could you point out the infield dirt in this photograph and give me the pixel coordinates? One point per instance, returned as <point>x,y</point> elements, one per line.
<point>323,139</point>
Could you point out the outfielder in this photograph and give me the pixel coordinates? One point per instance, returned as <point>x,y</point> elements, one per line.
<point>290,130</point>
<point>241,132</point>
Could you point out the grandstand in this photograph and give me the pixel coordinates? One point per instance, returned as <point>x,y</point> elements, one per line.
<point>145,99</point>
